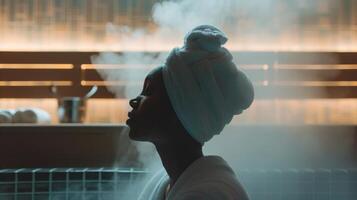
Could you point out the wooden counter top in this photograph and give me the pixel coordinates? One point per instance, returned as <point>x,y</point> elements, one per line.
<point>62,145</point>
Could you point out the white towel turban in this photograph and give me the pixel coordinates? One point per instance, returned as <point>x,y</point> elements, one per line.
<point>204,86</point>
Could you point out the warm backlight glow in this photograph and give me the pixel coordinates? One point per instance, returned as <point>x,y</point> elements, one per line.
<point>148,46</point>
<point>111,83</point>
<point>317,83</point>
<point>317,67</point>
<point>114,66</point>
<point>279,111</point>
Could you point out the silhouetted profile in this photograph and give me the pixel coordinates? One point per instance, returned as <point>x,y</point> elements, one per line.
<point>183,104</point>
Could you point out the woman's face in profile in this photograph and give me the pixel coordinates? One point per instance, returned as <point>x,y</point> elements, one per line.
<point>151,114</point>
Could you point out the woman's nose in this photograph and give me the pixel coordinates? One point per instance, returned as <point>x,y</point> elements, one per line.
<point>134,102</point>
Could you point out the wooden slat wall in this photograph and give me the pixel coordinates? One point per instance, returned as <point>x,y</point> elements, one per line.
<point>275,74</point>
<point>73,75</point>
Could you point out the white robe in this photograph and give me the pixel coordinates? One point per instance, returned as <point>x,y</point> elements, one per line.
<point>208,178</point>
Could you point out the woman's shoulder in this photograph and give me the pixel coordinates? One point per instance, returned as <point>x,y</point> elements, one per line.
<point>216,189</point>
<point>212,178</point>
<point>212,190</point>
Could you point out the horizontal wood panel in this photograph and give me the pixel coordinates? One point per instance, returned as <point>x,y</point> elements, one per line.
<point>261,92</point>
<point>275,74</point>
<point>316,57</point>
<point>43,146</point>
<point>253,57</point>
<point>45,92</point>
<point>46,57</point>
<point>36,74</point>
<point>308,75</point>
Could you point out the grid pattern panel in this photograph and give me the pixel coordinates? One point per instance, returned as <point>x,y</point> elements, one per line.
<point>110,184</point>
<point>67,184</point>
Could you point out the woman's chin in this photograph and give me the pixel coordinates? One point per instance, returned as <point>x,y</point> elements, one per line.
<point>136,135</point>
<point>137,132</point>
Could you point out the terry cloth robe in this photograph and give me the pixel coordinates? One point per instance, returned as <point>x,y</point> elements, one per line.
<point>208,178</point>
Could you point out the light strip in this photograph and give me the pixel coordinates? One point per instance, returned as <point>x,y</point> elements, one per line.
<point>315,66</point>
<point>125,83</point>
<point>147,66</point>
<point>261,83</point>
<point>317,83</point>
<point>110,83</point>
<point>36,66</point>
<point>263,66</point>
<point>35,83</point>
<point>256,83</point>
<point>115,66</point>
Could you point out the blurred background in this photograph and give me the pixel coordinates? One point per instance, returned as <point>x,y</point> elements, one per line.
<point>301,56</point>
<point>312,41</point>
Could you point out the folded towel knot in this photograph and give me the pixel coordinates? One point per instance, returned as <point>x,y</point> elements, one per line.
<point>205,37</point>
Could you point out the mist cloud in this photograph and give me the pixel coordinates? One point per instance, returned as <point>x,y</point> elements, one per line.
<point>173,19</point>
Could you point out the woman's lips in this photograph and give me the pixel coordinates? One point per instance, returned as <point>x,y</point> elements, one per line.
<point>130,114</point>
<point>131,118</point>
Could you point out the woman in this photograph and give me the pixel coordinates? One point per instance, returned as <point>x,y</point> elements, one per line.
<point>183,105</point>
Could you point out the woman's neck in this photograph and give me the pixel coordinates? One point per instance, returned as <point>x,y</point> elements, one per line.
<point>177,157</point>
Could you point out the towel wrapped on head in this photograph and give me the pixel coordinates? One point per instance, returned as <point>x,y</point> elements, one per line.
<point>204,85</point>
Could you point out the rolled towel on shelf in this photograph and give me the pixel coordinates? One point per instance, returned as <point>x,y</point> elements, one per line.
<point>31,115</point>
<point>6,116</point>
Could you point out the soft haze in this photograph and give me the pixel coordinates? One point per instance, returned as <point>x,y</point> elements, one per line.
<point>261,148</point>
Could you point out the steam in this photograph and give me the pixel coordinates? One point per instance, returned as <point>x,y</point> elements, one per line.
<point>239,19</point>
<point>173,19</point>
<point>182,16</point>
<point>128,67</point>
